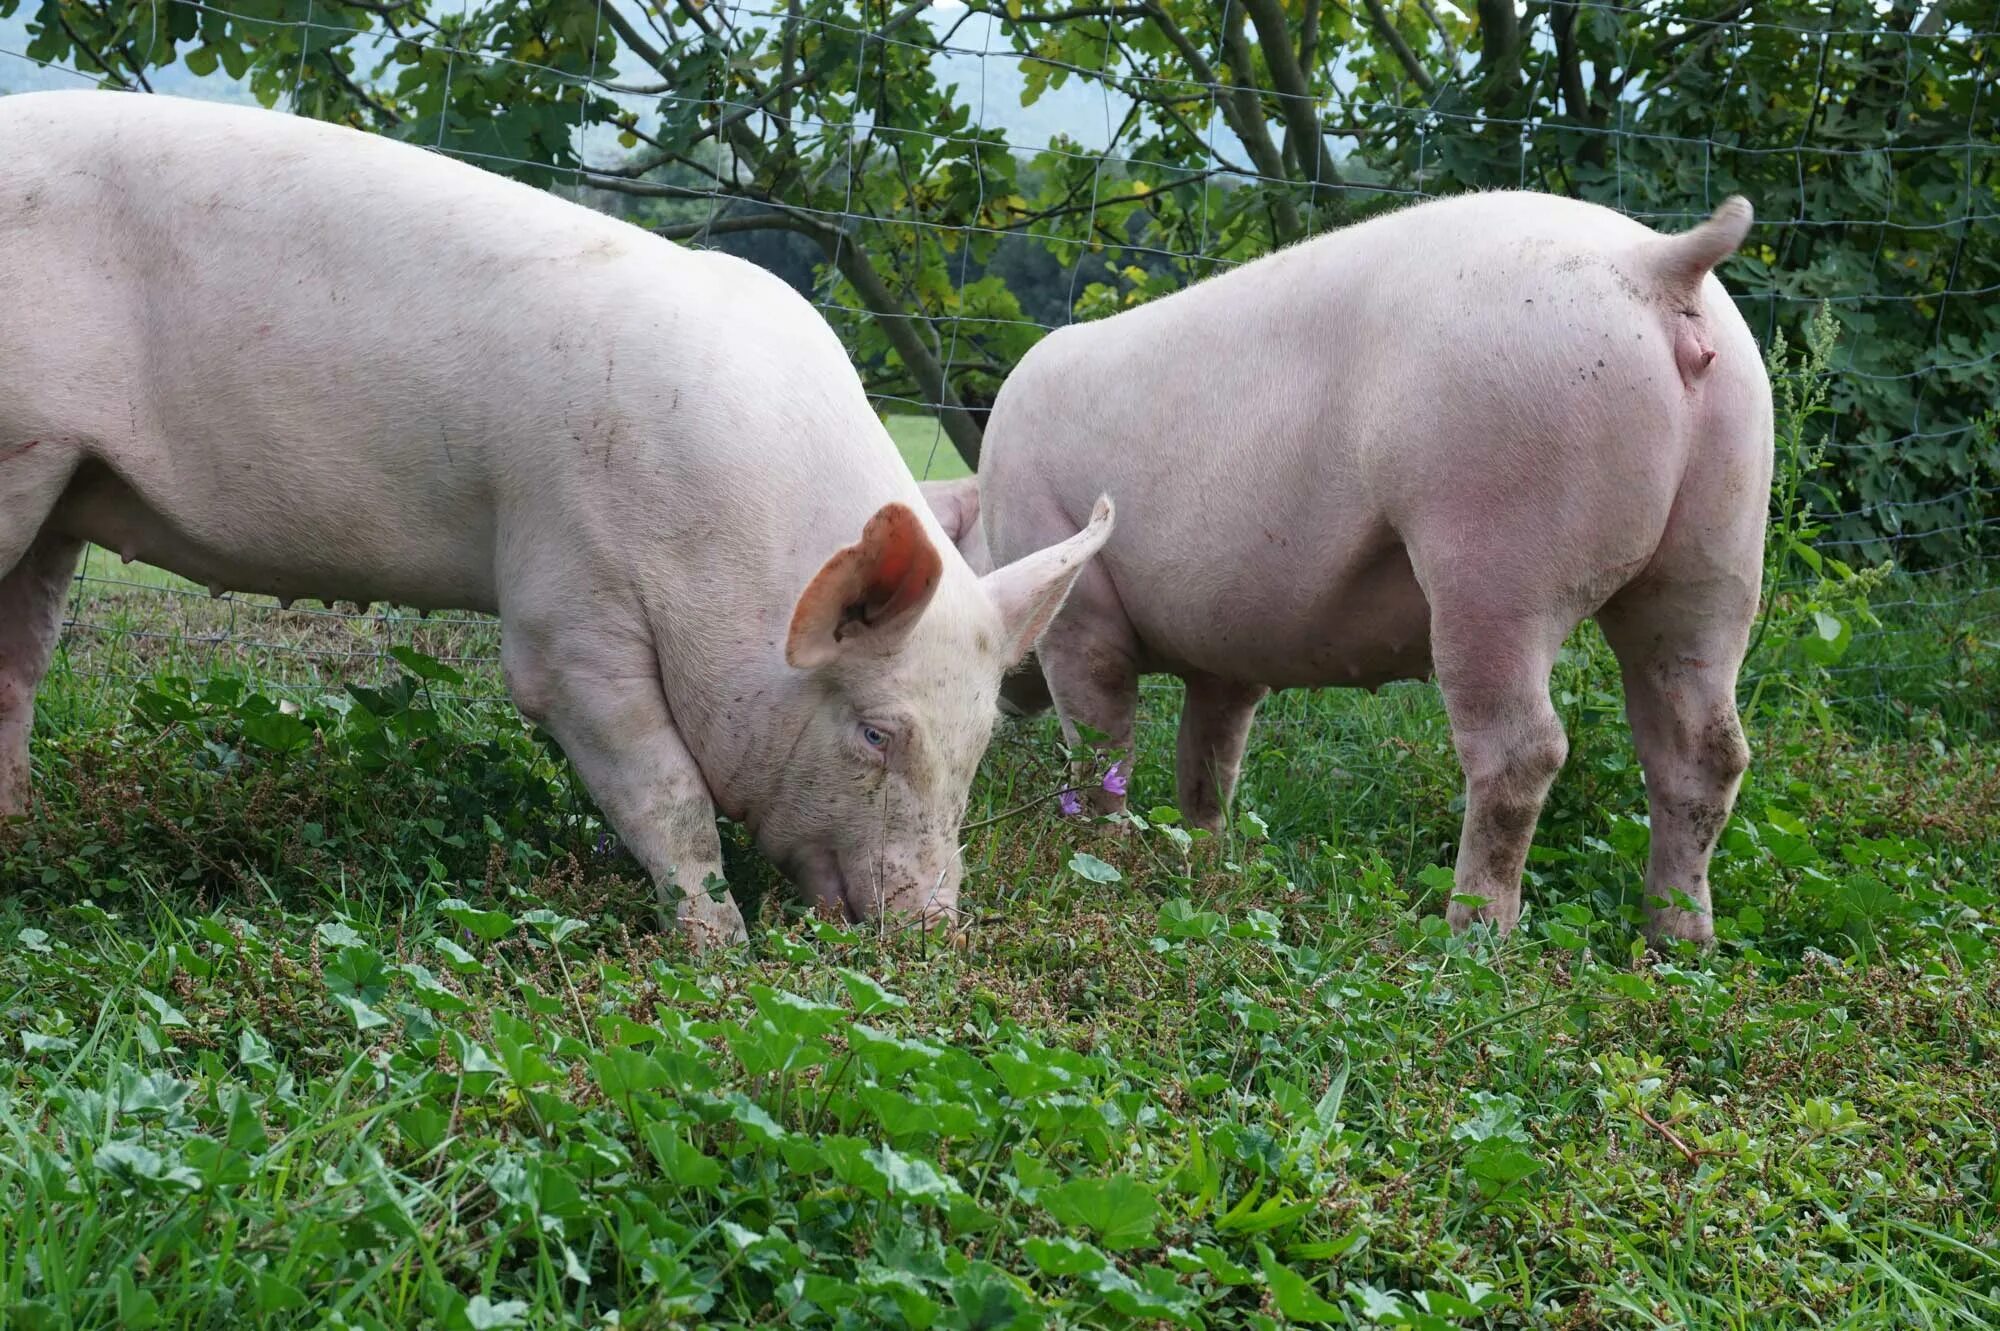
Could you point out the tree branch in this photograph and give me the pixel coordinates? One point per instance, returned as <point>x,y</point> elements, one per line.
<point>1063,210</point>
<point>1242,112</point>
<point>1238,106</point>
<point>1418,74</point>
<point>1694,29</point>
<point>1499,53</point>
<point>635,41</point>
<point>1309,35</point>
<point>1569,67</point>
<point>788,62</point>
<point>1295,96</point>
<point>1444,34</point>
<point>1086,12</point>
<point>76,40</point>
<point>724,226</point>
<point>1187,128</point>
<point>898,325</point>
<point>360,94</point>
<point>123,44</point>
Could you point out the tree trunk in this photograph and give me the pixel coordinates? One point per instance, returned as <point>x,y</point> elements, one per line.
<point>899,325</point>
<point>1499,55</point>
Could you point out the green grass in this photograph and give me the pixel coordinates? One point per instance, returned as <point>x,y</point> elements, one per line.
<point>924,446</point>
<point>326,1007</point>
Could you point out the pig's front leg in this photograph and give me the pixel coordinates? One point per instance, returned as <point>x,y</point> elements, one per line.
<point>1215,725</point>
<point>1094,681</point>
<point>601,700</point>
<point>31,604</point>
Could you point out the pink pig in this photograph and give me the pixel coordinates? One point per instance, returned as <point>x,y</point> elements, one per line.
<point>1429,444</point>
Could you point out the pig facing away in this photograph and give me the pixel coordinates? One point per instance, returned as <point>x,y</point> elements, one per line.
<point>1431,443</point>
<point>279,356</point>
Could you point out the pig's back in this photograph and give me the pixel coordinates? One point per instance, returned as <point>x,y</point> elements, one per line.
<point>234,240</point>
<point>344,351</point>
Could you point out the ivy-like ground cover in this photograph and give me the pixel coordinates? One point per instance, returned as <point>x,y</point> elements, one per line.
<point>338,1012</point>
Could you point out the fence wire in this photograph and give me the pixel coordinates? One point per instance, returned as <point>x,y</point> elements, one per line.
<point>1936,626</point>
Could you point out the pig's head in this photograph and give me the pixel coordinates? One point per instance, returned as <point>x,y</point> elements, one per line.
<point>897,649</point>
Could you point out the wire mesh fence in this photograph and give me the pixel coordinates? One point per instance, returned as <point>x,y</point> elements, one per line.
<point>975,175</point>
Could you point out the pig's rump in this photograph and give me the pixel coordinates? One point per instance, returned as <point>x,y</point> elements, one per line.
<point>1413,409</point>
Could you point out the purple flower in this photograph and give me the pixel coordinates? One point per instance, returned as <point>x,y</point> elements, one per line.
<point>1071,803</point>
<point>1114,779</point>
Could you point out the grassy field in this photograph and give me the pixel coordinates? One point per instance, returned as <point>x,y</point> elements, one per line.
<point>925,448</point>
<point>328,1005</point>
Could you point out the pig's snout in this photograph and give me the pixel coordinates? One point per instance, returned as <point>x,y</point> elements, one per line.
<point>925,894</point>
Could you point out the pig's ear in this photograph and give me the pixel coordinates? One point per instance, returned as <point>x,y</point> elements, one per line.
<point>1029,591</point>
<point>869,595</point>
<point>955,504</point>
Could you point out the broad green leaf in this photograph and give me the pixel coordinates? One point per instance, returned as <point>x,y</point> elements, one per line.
<point>163,1011</point>
<point>485,924</point>
<point>1086,865</point>
<point>1292,1295</point>
<point>458,958</point>
<point>553,926</point>
<point>425,667</point>
<point>483,1314</point>
<point>276,730</point>
<point>913,1177</point>
<point>1120,1210</point>
<point>1064,1257</point>
<point>869,998</point>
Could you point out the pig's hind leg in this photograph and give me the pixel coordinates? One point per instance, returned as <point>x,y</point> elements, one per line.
<point>1680,645</point>
<point>1493,667</point>
<point>31,601</point>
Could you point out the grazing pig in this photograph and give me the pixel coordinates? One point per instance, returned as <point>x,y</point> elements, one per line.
<point>280,356</point>
<point>1431,443</point>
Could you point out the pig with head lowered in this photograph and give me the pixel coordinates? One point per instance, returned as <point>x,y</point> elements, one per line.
<point>280,356</point>
<point>1431,443</point>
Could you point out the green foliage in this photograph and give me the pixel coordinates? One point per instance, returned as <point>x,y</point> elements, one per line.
<point>251,754</point>
<point>1811,600</point>
<point>1863,133</point>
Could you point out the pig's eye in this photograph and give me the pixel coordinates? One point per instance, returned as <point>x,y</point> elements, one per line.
<point>873,738</point>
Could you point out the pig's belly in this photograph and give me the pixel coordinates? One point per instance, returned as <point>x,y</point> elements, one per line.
<point>1355,627</point>
<point>288,551</point>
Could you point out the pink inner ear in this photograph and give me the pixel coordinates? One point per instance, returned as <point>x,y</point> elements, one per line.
<point>885,577</point>
<point>899,568</point>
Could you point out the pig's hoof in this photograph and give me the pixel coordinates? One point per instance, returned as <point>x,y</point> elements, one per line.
<point>1499,915</point>
<point>711,922</point>
<point>1667,927</point>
